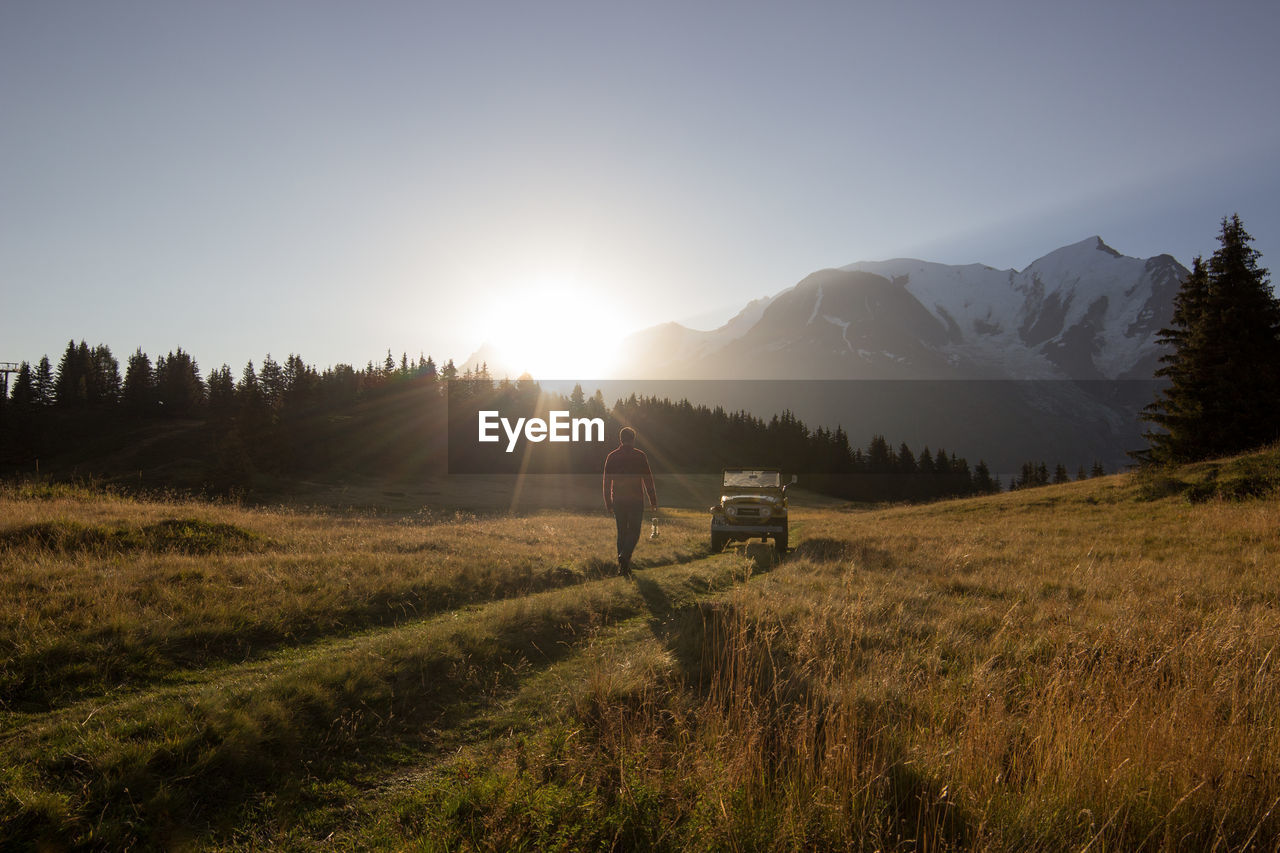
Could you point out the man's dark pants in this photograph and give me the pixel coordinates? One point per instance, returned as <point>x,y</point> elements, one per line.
<point>630,517</point>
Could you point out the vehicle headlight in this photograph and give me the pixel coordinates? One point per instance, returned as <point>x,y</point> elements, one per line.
<point>731,511</point>
<point>765,510</point>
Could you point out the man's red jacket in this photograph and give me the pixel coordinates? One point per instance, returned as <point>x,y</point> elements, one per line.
<point>626,472</point>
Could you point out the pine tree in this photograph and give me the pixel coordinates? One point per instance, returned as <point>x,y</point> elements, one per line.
<point>906,459</point>
<point>139,391</point>
<point>596,407</point>
<point>222,393</point>
<point>1224,371</point>
<point>982,478</point>
<point>301,383</point>
<point>880,458</point>
<point>70,388</point>
<point>105,373</point>
<point>271,382</point>
<point>43,380</point>
<point>179,388</point>
<point>1026,477</point>
<point>24,388</point>
<point>844,461</point>
<point>249,398</point>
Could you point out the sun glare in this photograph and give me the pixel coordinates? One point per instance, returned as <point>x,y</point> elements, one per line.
<point>556,331</point>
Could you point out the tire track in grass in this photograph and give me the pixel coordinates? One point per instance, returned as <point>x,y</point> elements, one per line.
<point>534,705</point>
<point>140,768</point>
<point>73,666</point>
<point>63,674</point>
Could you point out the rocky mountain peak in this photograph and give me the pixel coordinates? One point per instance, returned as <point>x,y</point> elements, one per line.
<point>1084,311</point>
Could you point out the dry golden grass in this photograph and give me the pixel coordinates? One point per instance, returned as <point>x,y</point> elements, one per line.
<point>1074,667</point>
<point>79,620</point>
<point>1063,669</point>
<point>1071,668</point>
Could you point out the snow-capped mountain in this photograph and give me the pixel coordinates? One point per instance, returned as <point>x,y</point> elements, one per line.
<point>1083,312</point>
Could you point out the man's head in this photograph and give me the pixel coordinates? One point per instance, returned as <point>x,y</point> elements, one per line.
<point>627,436</point>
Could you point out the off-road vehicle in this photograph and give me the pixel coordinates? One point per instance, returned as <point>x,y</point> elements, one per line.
<point>753,505</point>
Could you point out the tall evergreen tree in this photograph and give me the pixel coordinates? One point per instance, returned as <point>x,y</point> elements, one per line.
<point>596,407</point>
<point>249,397</point>
<point>138,394</point>
<point>1223,395</point>
<point>222,393</point>
<point>24,389</point>
<point>301,384</point>
<point>906,459</point>
<point>577,401</point>
<point>982,478</point>
<point>179,389</point>
<point>43,382</point>
<point>86,377</point>
<point>71,386</point>
<point>271,382</point>
<point>105,376</point>
<point>880,459</point>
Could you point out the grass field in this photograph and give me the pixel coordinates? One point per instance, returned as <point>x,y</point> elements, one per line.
<point>1086,666</point>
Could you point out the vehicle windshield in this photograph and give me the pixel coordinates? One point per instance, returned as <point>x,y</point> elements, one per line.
<point>753,479</point>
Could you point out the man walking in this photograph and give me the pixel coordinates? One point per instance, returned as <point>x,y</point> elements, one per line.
<point>627,480</point>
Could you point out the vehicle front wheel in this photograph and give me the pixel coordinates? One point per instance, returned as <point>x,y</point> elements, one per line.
<point>780,543</point>
<point>718,541</point>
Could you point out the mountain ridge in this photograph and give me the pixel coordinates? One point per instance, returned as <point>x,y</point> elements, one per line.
<point>1082,312</point>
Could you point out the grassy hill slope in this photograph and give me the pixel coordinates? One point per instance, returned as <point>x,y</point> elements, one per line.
<point>1093,664</point>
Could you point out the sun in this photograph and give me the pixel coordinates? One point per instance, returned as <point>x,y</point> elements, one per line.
<point>553,330</point>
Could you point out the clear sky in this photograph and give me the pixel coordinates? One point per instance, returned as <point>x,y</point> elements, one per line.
<point>338,178</point>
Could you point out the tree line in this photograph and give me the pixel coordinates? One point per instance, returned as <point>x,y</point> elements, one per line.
<point>410,418</point>
<point>286,418</point>
<point>89,378</point>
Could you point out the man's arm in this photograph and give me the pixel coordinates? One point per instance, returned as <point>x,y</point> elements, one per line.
<point>608,488</point>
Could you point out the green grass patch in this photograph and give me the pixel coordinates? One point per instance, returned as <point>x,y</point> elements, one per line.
<point>1248,477</point>
<point>172,535</point>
